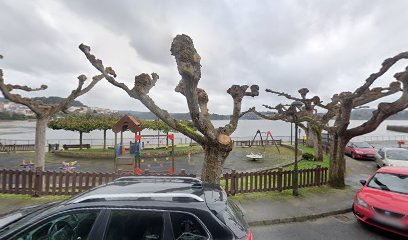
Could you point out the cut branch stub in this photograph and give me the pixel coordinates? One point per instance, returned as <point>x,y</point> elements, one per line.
<point>202,95</point>
<point>143,82</point>
<point>402,76</point>
<point>303,92</point>
<point>238,92</point>
<point>187,58</point>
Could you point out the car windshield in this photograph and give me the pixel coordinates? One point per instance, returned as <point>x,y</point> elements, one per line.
<point>362,145</point>
<point>390,182</point>
<point>397,154</point>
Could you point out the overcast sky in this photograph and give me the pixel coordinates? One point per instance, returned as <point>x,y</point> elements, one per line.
<point>326,46</point>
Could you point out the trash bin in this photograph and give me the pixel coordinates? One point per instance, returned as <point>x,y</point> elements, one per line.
<point>53,147</point>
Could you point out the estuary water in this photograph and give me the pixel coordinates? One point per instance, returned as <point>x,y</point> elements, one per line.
<point>23,132</point>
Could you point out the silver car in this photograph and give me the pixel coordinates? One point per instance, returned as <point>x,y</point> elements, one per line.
<point>392,157</point>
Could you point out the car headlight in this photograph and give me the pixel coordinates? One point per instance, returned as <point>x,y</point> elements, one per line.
<point>358,152</point>
<point>361,202</point>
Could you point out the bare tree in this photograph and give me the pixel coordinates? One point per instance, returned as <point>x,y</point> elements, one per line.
<point>42,111</point>
<point>309,113</point>
<point>342,104</point>
<point>216,143</point>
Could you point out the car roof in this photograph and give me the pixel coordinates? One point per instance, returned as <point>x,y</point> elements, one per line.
<point>394,148</point>
<point>392,169</point>
<point>170,189</point>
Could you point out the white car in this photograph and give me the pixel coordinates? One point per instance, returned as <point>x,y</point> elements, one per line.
<point>392,157</point>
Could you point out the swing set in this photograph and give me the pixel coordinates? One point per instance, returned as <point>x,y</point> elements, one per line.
<point>261,142</point>
<point>135,160</point>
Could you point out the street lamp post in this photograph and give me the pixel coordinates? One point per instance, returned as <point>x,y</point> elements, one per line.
<point>296,105</point>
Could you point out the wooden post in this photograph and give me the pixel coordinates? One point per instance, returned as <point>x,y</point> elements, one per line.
<point>317,176</point>
<point>233,182</point>
<point>37,182</point>
<point>279,183</point>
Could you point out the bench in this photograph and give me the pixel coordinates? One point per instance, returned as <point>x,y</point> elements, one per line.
<point>68,146</point>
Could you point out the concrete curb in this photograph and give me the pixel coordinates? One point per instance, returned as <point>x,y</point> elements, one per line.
<point>298,218</point>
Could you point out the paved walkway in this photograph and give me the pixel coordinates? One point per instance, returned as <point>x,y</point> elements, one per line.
<point>311,204</point>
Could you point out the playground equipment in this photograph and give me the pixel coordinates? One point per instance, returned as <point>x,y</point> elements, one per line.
<point>254,156</point>
<point>27,165</point>
<point>156,158</point>
<point>268,134</point>
<point>69,166</point>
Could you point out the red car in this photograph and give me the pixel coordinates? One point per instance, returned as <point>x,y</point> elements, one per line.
<point>361,150</point>
<point>383,200</point>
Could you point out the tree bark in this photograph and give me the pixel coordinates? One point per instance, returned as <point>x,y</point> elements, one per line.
<point>337,161</point>
<point>317,145</point>
<point>214,158</point>
<point>310,136</point>
<point>40,138</point>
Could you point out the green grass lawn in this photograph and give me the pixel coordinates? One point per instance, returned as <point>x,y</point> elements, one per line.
<point>310,164</point>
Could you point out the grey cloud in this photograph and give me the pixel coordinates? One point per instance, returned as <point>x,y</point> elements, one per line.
<point>283,45</point>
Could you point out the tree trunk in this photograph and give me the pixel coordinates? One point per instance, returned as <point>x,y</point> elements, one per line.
<point>80,140</point>
<point>310,140</point>
<point>104,139</point>
<point>40,139</point>
<point>214,158</point>
<point>337,161</point>
<point>317,145</point>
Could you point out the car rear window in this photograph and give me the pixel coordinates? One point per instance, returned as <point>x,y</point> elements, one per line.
<point>398,154</point>
<point>187,227</point>
<point>233,217</point>
<point>132,224</point>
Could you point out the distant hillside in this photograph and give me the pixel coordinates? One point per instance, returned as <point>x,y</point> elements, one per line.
<point>51,100</point>
<point>55,100</point>
<point>364,114</point>
<point>358,114</point>
<point>183,116</point>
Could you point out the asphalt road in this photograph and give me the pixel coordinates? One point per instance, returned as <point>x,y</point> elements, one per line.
<point>338,227</point>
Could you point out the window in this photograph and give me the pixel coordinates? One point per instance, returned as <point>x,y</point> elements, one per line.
<point>381,153</point>
<point>234,219</point>
<point>70,225</point>
<point>390,182</point>
<point>187,227</point>
<point>131,224</point>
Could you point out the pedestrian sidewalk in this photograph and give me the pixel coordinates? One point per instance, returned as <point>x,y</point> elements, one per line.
<point>273,208</point>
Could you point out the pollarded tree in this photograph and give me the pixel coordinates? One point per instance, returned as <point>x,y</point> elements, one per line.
<point>314,125</point>
<point>342,104</point>
<point>216,142</point>
<point>42,111</point>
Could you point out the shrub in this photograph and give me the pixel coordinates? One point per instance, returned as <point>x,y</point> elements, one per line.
<point>308,157</point>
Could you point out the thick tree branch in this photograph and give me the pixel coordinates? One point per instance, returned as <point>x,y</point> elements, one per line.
<point>238,93</point>
<point>189,67</point>
<point>384,109</point>
<point>286,95</point>
<point>143,83</point>
<point>387,64</point>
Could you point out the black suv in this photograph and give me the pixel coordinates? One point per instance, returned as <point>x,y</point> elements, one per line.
<point>146,208</point>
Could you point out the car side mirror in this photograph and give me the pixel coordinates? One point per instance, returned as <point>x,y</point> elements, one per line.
<point>363,182</point>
